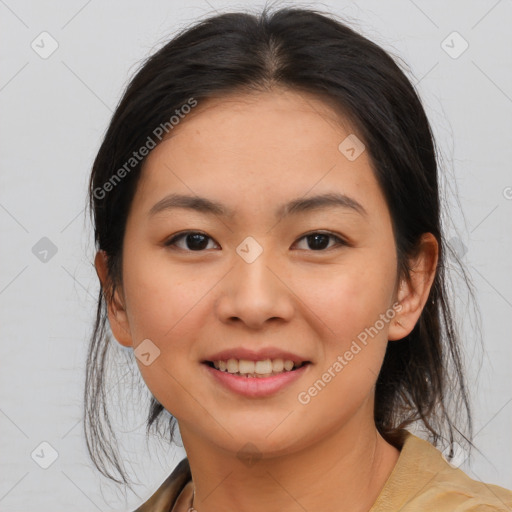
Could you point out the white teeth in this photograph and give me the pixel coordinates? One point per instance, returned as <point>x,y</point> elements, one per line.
<point>232,366</point>
<point>277,365</point>
<point>263,368</point>
<point>245,366</point>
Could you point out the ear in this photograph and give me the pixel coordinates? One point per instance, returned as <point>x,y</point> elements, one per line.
<point>117,316</point>
<point>413,294</point>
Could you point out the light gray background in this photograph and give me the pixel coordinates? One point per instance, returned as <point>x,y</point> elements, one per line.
<point>54,112</point>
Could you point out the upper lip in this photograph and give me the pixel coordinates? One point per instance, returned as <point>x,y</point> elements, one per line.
<point>255,355</point>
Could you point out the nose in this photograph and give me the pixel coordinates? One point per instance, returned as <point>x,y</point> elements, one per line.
<point>255,293</point>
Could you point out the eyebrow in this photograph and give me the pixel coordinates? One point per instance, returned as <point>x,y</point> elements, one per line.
<point>300,205</point>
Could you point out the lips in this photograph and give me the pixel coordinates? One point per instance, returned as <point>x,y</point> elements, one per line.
<point>253,385</point>
<point>251,363</point>
<point>255,373</point>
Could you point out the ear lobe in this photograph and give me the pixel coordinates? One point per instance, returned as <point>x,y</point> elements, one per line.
<point>413,293</point>
<point>117,316</point>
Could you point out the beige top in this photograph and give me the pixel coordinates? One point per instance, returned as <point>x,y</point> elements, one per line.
<point>421,481</point>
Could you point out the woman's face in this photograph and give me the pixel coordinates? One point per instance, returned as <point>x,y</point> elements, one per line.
<point>253,285</point>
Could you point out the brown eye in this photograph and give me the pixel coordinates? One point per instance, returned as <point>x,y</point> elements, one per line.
<point>319,241</point>
<point>193,241</point>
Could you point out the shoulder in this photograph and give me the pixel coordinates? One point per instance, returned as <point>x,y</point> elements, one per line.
<point>167,493</point>
<point>424,480</point>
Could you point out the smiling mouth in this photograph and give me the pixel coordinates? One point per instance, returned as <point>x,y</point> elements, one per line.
<point>256,369</point>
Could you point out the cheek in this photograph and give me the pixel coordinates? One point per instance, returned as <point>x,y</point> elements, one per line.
<point>350,304</point>
<point>163,297</point>
<point>168,306</point>
<point>350,298</point>
<point>353,348</point>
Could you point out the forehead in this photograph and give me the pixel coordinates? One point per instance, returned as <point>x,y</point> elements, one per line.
<point>277,118</point>
<point>257,147</point>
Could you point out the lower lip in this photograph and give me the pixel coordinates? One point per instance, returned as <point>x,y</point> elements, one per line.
<point>256,387</point>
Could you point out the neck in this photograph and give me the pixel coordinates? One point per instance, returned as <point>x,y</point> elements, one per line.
<point>346,469</point>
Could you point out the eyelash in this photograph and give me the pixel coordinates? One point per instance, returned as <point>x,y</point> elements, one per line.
<point>172,241</point>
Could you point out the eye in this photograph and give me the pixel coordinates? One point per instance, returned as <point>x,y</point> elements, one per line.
<point>318,241</point>
<point>197,241</point>
<point>194,241</point>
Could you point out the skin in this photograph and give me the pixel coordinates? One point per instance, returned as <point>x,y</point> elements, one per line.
<point>252,154</point>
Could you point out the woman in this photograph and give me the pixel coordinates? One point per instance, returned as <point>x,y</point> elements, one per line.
<point>267,219</point>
